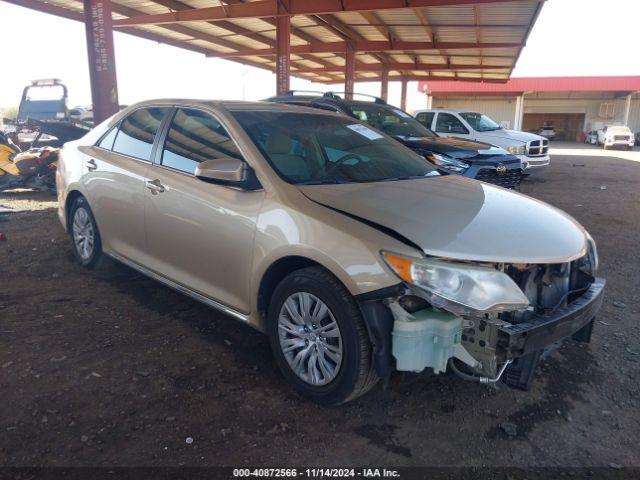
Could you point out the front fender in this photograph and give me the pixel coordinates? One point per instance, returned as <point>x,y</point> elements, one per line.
<point>346,247</point>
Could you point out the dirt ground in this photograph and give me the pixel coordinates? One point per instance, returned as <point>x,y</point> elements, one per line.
<point>111,368</point>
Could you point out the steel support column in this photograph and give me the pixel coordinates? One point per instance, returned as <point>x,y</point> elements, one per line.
<point>102,63</point>
<point>349,72</point>
<point>429,101</point>
<point>519,112</point>
<point>403,95</point>
<point>384,85</point>
<point>283,51</point>
<point>627,108</point>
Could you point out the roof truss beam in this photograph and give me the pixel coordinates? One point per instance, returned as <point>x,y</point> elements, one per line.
<point>296,32</point>
<point>177,5</point>
<point>348,34</point>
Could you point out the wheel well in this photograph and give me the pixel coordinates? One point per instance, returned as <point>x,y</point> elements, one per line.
<point>71,197</point>
<point>274,275</point>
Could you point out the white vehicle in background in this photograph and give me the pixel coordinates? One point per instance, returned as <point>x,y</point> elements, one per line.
<point>532,149</point>
<point>547,132</point>
<point>616,136</point>
<point>82,114</point>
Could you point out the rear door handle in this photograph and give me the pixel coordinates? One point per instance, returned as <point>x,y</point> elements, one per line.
<point>155,186</point>
<point>92,165</point>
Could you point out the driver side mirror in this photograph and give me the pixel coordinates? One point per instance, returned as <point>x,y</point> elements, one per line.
<point>227,171</point>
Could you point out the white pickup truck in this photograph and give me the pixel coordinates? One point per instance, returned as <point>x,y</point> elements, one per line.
<point>533,150</point>
<point>616,136</point>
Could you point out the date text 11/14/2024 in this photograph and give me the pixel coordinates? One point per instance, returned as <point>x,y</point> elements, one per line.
<point>316,473</point>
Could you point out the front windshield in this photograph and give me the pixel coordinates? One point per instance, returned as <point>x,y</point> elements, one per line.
<point>391,121</point>
<point>308,148</point>
<point>45,92</point>
<point>480,122</point>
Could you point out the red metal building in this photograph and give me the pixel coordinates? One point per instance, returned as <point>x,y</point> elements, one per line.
<point>572,104</point>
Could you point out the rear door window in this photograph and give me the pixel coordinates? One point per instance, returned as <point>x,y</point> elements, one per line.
<point>425,118</point>
<point>137,132</point>
<point>194,137</point>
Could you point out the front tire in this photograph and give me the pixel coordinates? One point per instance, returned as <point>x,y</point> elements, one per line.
<point>319,339</point>
<point>85,237</point>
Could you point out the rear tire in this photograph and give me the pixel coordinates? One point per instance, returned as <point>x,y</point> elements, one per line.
<point>322,375</point>
<point>85,237</point>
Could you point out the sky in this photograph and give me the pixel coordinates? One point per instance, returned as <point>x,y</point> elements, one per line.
<point>570,38</point>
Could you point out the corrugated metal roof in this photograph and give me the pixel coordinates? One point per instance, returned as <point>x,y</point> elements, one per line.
<point>455,38</point>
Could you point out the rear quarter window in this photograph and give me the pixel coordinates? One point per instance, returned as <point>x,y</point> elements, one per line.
<point>107,140</point>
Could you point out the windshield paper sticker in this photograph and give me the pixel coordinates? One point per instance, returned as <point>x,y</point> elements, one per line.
<point>364,131</point>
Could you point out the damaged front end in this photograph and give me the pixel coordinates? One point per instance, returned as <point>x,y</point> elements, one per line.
<point>484,322</point>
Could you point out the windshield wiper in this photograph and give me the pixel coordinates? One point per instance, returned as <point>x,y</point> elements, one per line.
<point>433,173</point>
<point>329,181</point>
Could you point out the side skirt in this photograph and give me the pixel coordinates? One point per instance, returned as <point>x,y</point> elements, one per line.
<point>181,288</point>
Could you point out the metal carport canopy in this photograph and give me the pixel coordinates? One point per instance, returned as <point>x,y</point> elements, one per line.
<point>326,41</point>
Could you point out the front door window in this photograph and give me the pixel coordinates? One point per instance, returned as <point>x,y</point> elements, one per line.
<point>194,137</point>
<point>447,123</point>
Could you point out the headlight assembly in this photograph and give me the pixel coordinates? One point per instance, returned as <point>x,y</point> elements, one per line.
<point>447,163</point>
<point>521,150</point>
<point>589,263</point>
<point>459,288</point>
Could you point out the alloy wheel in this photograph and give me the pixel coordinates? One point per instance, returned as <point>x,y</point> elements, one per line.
<point>310,338</point>
<point>83,233</point>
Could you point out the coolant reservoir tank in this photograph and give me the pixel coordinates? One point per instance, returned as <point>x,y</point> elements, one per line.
<point>427,338</point>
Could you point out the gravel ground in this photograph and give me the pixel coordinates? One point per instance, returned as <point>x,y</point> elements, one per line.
<point>110,368</point>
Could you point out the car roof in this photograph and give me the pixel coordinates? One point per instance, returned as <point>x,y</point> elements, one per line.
<point>231,105</point>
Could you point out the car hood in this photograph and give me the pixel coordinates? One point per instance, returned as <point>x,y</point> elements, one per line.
<point>516,135</point>
<point>458,218</point>
<point>453,147</point>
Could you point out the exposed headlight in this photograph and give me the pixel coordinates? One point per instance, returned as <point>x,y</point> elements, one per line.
<point>521,150</point>
<point>59,115</point>
<point>589,263</point>
<point>447,163</point>
<point>459,288</point>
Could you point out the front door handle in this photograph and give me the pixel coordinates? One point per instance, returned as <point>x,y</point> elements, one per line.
<point>155,186</point>
<point>92,165</point>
